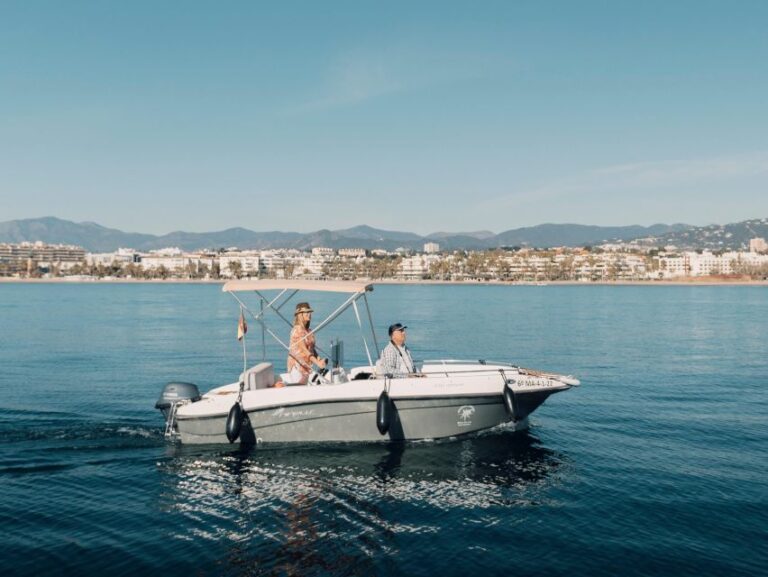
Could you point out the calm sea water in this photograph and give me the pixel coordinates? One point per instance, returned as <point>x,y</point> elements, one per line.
<point>656,465</point>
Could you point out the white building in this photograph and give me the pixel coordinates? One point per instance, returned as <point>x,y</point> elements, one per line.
<point>167,251</point>
<point>416,267</point>
<point>207,260</point>
<point>311,266</point>
<point>245,263</point>
<point>121,256</point>
<point>431,248</point>
<point>27,257</point>
<point>758,245</point>
<point>322,251</point>
<point>749,259</point>
<point>352,252</point>
<point>281,263</point>
<point>707,263</point>
<point>672,266</point>
<point>170,263</point>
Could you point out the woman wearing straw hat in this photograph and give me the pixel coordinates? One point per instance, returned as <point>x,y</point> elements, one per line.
<point>302,354</point>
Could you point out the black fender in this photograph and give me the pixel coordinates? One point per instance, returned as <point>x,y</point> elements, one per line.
<point>510,402</point>
<point>383,412</point>
<point>234,422</point>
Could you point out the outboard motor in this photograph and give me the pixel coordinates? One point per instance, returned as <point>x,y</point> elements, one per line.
<point>173,395</point>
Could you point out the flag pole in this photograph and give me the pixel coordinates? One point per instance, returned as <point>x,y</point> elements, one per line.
<point>245,359</point>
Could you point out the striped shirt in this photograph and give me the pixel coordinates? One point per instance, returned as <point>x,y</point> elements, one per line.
<point>397,361</point>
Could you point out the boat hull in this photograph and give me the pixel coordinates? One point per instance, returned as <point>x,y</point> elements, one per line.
<point>355,421</point>
<point>446,400</point>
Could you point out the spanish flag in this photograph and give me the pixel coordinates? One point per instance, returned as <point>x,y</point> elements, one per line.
<point>242,327</point>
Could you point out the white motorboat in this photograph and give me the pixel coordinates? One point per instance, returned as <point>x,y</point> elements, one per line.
<point>445,398</point>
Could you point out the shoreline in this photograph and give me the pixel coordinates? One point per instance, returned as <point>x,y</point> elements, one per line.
<point>678,282</point>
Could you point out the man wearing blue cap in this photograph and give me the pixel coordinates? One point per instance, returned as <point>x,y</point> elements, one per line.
<point>396,357</point>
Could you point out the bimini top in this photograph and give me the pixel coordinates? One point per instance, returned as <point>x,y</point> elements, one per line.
<point>296,284</point>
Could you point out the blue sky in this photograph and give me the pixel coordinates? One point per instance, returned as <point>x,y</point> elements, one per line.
<point>419,116</point>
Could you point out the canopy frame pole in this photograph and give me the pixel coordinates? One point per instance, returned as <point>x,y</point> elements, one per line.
<point>370,321</point>
<point>262,323</point>
<point>344,306</point>
<point>263,332</point>
<point>264,327</point>
<point>277,309</point>
<point>270,304</point>
<point>289,323</point>
<point>362,333</point>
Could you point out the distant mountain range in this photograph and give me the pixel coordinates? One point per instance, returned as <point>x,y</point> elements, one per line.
<point>734,236</point>
<point>96,238</point>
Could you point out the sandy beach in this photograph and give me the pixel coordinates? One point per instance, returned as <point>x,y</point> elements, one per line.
<point>703,281</point>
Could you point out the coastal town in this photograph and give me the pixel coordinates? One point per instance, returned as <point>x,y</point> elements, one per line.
<point>615,262</point>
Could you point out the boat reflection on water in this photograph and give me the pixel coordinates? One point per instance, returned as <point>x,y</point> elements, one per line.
<point>343,508</point>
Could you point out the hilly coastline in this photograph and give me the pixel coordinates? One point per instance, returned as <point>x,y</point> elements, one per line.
<point>96,238</point>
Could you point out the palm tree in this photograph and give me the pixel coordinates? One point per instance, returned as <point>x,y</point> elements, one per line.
<point>236,268</point>
<point>162,272</point>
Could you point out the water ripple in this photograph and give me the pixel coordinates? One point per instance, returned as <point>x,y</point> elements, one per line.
<point>656,466</point>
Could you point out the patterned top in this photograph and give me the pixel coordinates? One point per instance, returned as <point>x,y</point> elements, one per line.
<point>302,347</point>
<point>397,361</point>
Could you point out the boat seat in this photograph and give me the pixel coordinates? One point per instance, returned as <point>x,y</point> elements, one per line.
<point>259,376</point>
